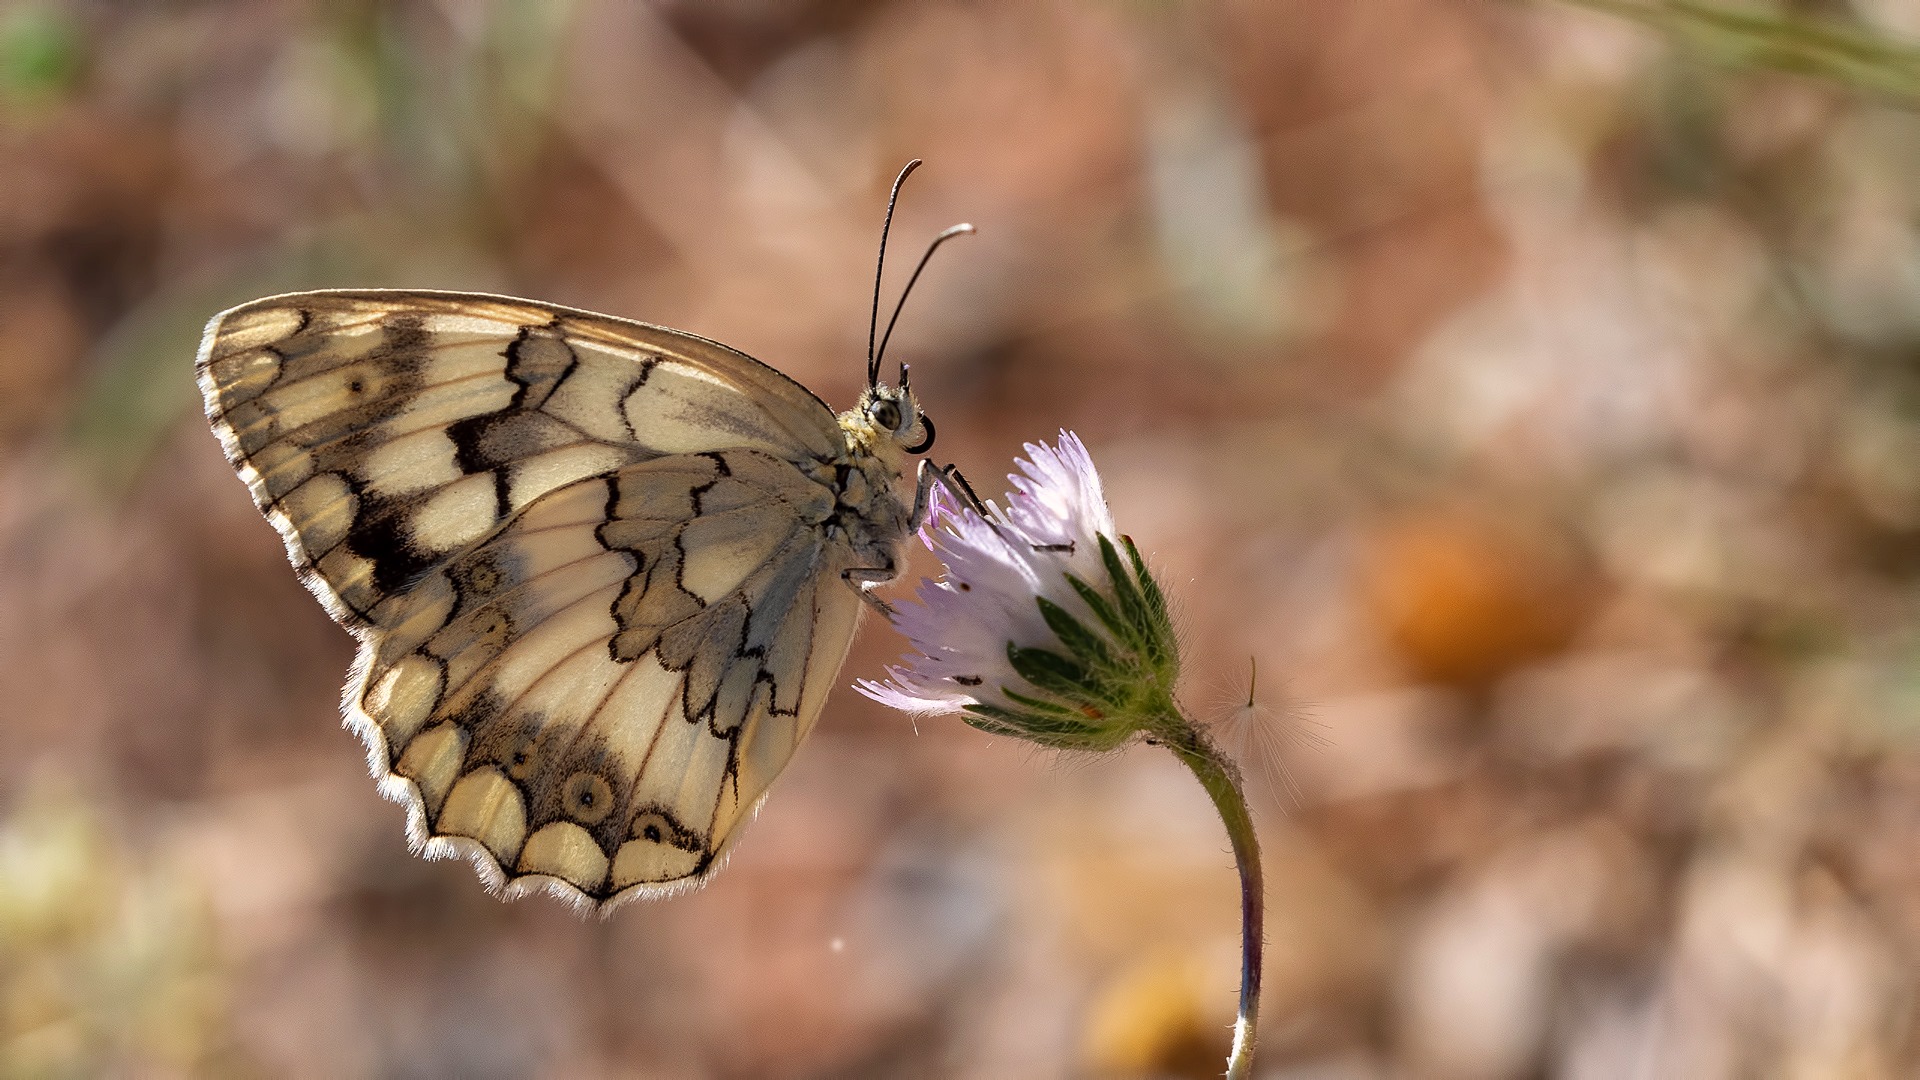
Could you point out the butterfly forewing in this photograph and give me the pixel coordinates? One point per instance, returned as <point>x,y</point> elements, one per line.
<point>587,560</point>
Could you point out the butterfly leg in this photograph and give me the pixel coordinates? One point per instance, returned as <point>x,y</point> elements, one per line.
<point>955,483</point>
<point>930,474</point>
<point>862,579</point>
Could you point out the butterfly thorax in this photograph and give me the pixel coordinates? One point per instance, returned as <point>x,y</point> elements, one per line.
<point>874,493</point>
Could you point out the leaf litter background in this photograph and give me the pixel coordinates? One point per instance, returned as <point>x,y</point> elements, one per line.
<point>1532,393</point>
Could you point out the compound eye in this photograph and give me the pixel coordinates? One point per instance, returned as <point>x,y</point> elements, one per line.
<point>885,415</point>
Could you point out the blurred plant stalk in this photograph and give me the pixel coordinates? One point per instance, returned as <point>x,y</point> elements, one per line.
<point>1221,779</point>
<point>1853,56</point>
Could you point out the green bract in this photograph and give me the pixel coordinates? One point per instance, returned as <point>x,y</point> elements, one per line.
<point>1104,683</point>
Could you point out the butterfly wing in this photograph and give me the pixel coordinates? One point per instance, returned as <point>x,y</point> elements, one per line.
<point>382,431</point>
<point>553,532</point>
<point>597,695</point>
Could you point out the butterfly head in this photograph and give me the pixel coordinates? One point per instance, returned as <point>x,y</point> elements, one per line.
<point>892,414</point>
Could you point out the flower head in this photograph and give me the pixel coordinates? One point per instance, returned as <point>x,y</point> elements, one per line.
<point>1040,626</point>
<point>1041,629</point>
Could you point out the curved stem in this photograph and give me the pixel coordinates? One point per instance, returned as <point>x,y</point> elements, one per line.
<point>1222,781</point>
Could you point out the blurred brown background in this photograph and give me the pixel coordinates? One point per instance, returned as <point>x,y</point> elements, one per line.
<point>1533,396</point>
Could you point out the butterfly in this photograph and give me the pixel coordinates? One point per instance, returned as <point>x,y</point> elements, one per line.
<point>602,573</point>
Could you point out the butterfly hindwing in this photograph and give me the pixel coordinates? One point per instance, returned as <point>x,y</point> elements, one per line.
<point>588,561</point>
<point>601,691</point>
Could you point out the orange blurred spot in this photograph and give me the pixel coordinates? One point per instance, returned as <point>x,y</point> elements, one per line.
<point>1164,1015</point>
<point>1465,600</point>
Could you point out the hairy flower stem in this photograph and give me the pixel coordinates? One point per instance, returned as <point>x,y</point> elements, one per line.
<point>1222,780</point>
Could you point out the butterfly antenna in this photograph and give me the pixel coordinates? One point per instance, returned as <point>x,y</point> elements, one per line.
<point>957,230</point>
<point>879,265</point>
